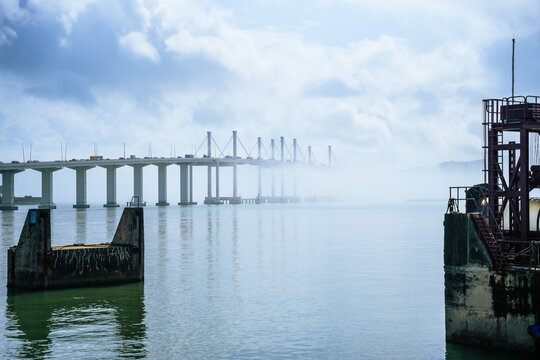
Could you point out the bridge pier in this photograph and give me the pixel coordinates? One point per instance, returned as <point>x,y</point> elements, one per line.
<point>273,145</point>
<point>138,182</point>
<point>47,188</point>
<point>191,185</point>
<point>294,171</point>
<point>235,198</point>
<point>111,185</point>
<point>209,143</point>
<point>80,185</point>
<point>8,190</point>
<point>217,181</point>
<point>210,200</point>
<point>259,170</point>
<point>162,185</point>
<point>282,140</point>
<point>186,187</point>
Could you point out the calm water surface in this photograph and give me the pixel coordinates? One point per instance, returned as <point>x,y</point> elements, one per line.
<point>247,282</point>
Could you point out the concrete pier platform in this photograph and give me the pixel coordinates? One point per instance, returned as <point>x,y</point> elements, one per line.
<point>81,206</point>
<point>33,264</point>
<point>185,203</point>
<point>111,205</point>
<point>47,206</point>
<point>485,307</point>
<point>212,201</point>
<point>9,207</point>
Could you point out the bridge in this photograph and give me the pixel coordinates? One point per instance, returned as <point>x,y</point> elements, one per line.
<point>186,163</point>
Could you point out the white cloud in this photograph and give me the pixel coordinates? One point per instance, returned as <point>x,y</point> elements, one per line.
<point>66,12</point>
<point>6,35</point>
<point>138,44</point>
<point>403,98</point>
<point>9,11</point>
<point>275,68</point>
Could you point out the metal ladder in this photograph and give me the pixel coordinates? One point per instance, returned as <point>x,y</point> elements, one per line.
<point>494,248</point>
<point>491,120</point>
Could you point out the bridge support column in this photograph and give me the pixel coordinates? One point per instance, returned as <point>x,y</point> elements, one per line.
<point>259,182</point>
<point>80,184</point>
<point>111,186</point>
<point>235,170</point>
<point>8,190</point>
<point>138,182</point>
<point>186,190</point>
<point>191,184</point>
<point>47,189</point>
<point>295,173</point>
<point>209,142</point>
<point>282,140</point>
<point>273,145</point>
<point>217,181</point>
<point>259,170</point>
<point>235,199</point>
<point>162,185</point>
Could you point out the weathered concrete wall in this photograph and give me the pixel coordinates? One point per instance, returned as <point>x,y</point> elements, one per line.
<point>486,308</point>
<point>130,231</point>
<point>34,264</point>
<point>461,243</point>
<point>88,266</point>
<point>28,260</point>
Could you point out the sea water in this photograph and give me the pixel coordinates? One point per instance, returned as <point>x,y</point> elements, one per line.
<point>287,281</point>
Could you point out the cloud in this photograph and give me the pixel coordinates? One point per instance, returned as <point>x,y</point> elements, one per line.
<point>66,85</point>
<point>66,12</point>
<point>137,43</point>
<point>390,93</point>
<point>6,34</point>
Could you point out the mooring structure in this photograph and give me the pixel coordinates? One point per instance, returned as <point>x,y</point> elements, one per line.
<point>491,245</point>
<point>508,125</point>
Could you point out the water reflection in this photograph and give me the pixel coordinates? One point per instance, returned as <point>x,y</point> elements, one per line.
<point>259,240</point>
<point>162,222</point>
<point>81,221</point>
<point>8,218</point>
<point>111,214</point>
<point>162,238</point>
<point>64,323</point>
<point>186,241</point>
<point>210,252</point>
<point>236,265</point>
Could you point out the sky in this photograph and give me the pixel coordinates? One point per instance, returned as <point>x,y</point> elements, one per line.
<point>389,84</point>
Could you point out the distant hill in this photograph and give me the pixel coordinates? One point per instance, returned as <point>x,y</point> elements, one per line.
<point>475,165</point>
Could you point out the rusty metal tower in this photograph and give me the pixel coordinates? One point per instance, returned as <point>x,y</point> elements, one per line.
<point>510,184</point>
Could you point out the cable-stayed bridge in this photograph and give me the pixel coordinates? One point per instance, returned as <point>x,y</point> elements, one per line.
<point>214,159</point>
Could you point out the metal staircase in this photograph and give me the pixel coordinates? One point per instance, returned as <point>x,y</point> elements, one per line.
<point>487,236</point>
<point>492,141</point>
